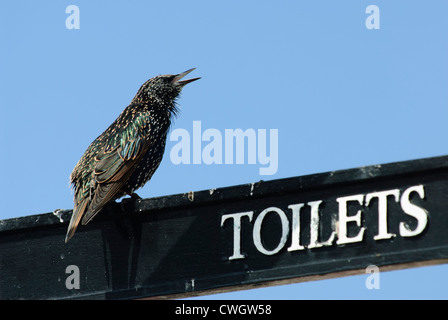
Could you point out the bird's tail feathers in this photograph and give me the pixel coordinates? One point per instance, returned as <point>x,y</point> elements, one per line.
<point>78,212</point>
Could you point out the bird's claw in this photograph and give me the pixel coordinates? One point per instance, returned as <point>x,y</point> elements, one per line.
<point>125,201</point>
<point>135,196</point>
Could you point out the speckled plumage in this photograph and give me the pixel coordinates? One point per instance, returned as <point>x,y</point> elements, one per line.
<point>125,156</point>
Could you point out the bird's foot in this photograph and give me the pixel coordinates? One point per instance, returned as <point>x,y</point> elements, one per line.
<point>129,203</point>
<point>135,196</point>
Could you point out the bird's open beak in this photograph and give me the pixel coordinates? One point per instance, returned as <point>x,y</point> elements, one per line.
<point>181,75</point>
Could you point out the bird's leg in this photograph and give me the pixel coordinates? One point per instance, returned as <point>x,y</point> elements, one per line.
<point>126,224</point>
<point>135,196</point>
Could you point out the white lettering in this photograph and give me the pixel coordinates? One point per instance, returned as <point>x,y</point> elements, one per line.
<point>373,280</point>
<point>414,211</point>
<point>239,136</point>
<point>192,310</point>
<point>345,225</point>
<point>72,21</point>
<point>183,147</point>
<point>212,152</point>
<point>272,160</point>
<point>236,231</point>
<point>342,231</point>
<point>314,241</point>
<point>257,231</point>
<point>237,144</point>
<point>197,139</point>
<point>382,211</point>
<point>295,237</point>
<point>373,21</point>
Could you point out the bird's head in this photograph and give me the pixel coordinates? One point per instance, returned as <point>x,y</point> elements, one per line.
<point>163,90</point>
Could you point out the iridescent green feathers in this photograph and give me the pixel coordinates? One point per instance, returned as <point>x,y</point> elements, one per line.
<point>107,164</point>
<point>124,157</point>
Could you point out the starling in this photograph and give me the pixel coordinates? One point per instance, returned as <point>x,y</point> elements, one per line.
<point>125,156</point>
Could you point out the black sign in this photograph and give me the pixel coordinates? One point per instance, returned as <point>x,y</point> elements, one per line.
<point>264,233</point>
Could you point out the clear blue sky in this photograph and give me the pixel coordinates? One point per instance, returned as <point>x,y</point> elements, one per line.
<point>340,95</point>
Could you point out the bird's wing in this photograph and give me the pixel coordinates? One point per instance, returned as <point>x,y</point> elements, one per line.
<point>114,164</point>
<point>78,211</point>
